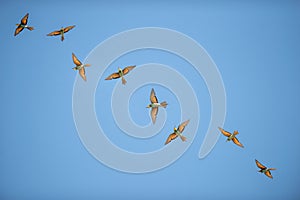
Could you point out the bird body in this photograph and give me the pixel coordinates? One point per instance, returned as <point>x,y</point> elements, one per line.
<point>79,66</point>
<point>231,137</point>
<point>120,74</point>
<point>22,25</point>
<point>61,32</point>
<point>178,132</point>
<point>264,169</point>
<point>154,105</point>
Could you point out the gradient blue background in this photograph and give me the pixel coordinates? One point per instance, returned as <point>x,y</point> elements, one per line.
<point>255,45</point>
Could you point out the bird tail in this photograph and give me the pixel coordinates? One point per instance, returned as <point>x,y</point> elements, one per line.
<point>123,81</point>
<point>62,38</point>
<point>164,104</point>
<point>272,168</point>
<point>30,28</point>
<point>182,138</point>
<point>235,132</point>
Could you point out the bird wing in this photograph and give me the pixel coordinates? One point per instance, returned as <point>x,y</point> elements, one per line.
<point>259,165</point>
<point>154,112</point>
<point>183,125</point>
<point>126,70</point>
<point>82,73</point>
<point>226,133</point>
<point>268,174</point>
<point>113,76</point>
<point>68,28</point>
<point>25,19</point>
<point>54,33</point>
<point>75,60</point>
<point>18,30</point>
<point>237,142</point>
<point>171,137</point>
<point>153,97</point>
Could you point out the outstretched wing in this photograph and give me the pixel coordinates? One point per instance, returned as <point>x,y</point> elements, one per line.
<point>24,19</point>
<point>268,174</point>
<point>113,76</point>
<point>154,112</point>
<point>259,165</point>
<point>183,125</point>
<point>153,98</point>
<point>18,30</point>
<point>75,60</point>
<point>54,33</point>
<point>126,70</point>
<point>82,73</point>
<point>237,142</point>
<point>171,137</point>
<point>68,28</point>
<point>226,133</point>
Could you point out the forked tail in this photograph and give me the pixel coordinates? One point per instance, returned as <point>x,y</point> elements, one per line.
<point>164,104</point>
<point>123,81</point>
<point>30,28</point>
<point>182,138</point>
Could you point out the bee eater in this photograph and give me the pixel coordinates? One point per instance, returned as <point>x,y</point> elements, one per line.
<point>61,32</point>
<point>79,66</point>
<point>231,136</point>
<point>264,169</point>
<point>154,105</point>
<point>23,25</point>
<point>178,132</point>
<point>120,74</point>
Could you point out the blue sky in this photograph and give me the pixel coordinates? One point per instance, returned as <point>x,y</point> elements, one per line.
<point>256,48</point>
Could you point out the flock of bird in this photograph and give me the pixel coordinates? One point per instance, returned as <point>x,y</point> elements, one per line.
<point>154,105</point>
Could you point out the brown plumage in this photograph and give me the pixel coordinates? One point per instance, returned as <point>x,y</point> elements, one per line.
<point>79,66</point>
<point>23,25</point>
<point>120,74</point>
<point>264,169</point>
<point>61,32</point>
<point>155,105</point>
<point>231,137</point>
<point>178,132</point>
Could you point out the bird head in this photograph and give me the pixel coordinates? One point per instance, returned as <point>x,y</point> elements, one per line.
<point>74,68</point>
<point>119,69</point>
<point>17,24</point>
<point>149,106</point>
<point>175,129</point>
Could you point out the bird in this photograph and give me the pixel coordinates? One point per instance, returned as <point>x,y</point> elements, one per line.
<point>178,132</point>
<point>23,25</point>
<point>61,32</point>
<point>264,169</point>
<point>155,105</point>
<point>121,73</point>
<point>231,137</point>
<point>79,66</point>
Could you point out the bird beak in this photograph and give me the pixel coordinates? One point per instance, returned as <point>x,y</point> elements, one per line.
<point>148,106</point>
<point>74,68</point>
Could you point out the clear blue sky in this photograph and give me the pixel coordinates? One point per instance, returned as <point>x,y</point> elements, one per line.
<point>255,45</point>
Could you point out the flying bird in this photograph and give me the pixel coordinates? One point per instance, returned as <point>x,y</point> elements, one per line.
<point>178,132</point>
<point>120,74</point>
<point>264,169</point>
<point>79,66</point>
<point>155,105</point>
<point>23,25</point>
<point>61,32</point>
<point>231,136</point>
